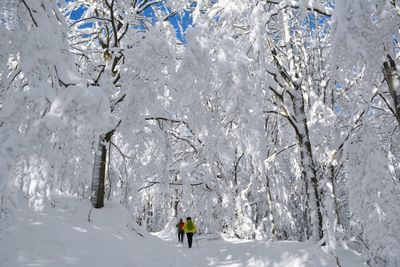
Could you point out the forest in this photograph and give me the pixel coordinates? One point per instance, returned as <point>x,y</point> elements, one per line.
<point>261,119</point>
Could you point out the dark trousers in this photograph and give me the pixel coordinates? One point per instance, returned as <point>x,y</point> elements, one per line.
<point>190,239</point>
<point>180,236</point>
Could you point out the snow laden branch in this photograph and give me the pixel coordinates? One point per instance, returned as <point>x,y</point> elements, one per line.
<point>275,154</point>
<point>150,184</point>
<point>145,4</point>
<point>308,4</point>
<point>89,19</point>
<point>174,121</point>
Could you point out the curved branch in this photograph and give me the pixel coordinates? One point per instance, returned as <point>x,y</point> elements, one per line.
<point>88,18</point>
<point>122,153</point>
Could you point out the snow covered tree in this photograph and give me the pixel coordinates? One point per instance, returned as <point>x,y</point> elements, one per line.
<point>105,37</point>
<point>47,110</point>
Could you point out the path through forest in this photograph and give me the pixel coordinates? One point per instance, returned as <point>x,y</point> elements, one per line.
<point>235,253</point>
<point>61,235</point>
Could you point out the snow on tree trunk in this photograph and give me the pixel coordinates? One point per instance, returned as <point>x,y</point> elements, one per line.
<point>100,171</point>
<point>98,174</point>
<point>270,209</point>
<point>308,167</point>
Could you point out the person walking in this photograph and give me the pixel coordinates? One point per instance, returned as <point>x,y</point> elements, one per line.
<point>190,228</point>
<point>180,229</point>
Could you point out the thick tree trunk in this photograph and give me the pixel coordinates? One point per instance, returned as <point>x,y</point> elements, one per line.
<point>100,171</point>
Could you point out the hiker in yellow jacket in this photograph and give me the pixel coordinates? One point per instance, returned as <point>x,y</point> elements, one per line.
<point>190,228</point>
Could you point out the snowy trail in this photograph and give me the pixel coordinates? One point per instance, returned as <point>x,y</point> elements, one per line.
<point>62,236</point>
<point>236,253</point>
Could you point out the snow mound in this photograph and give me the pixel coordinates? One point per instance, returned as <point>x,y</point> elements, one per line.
<point>61,235</point>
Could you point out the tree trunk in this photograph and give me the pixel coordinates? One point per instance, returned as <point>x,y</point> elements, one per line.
<point>334,195</point>
<point>100,171</point>
<point>308,167</point>
<point>270,214</point>
<point>313,198</point>
<point>313,202</point>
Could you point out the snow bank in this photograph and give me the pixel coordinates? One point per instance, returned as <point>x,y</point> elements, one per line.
<point>63,236</point>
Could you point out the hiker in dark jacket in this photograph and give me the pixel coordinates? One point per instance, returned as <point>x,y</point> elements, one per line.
<point>181,232</point>
<point>190,228</point>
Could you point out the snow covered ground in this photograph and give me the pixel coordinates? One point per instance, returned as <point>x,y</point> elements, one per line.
<point>235,253</point>
<point>62,236</point>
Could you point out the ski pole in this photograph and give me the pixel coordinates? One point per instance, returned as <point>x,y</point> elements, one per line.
<point>195,239</point>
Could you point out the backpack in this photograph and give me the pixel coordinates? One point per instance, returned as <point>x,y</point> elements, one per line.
<point>180,226</point>
<point>190,225</point>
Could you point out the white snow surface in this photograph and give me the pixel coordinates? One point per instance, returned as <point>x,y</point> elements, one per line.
<point>63,236</point>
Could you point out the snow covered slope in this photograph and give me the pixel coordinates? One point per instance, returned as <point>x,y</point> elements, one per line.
<point>62,236</point>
